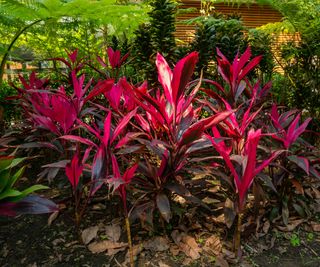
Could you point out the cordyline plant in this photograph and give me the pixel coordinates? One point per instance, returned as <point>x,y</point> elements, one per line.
<point>115,62</point>
<point>286,133</point>
<point>235,75</point>
<point>174,130</point>
<point>105,168</point>
<point>151,139</point>
<point>243,167</point>
<point>236,141</point>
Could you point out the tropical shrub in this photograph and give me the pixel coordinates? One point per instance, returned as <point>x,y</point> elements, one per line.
<point>217,31</point>
<point>145,144</point>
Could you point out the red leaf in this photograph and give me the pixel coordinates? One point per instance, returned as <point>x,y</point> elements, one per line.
<point>192,133</point>
<point>122,124</point>
<point>74,170</point>
<point>294,131</point>
<point>182,74</point>
<point>80,139</point>
<point>302,162</point>
<point>100,88</point>
<point>129,173</point>
<point>165,77</point>
<point>250,66</point>
<point>107,130</point>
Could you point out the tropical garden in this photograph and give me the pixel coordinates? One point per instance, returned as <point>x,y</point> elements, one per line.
<point>122,145</point>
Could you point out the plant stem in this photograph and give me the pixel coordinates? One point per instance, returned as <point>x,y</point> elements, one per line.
<point>129,241</point>
<point>237,237</point>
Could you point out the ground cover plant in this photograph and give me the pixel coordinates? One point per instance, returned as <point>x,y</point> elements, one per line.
<point>158,148</point>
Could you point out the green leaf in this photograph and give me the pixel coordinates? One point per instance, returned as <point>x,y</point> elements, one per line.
<point>4,178</point>
<point>10,193</point>
<point>15,177</point>
<point>5,162</point>
<point>28,191</point>
<point>15,162</point>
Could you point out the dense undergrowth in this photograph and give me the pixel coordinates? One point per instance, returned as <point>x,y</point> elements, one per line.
<point>150,129</point>
<point>146,144</point>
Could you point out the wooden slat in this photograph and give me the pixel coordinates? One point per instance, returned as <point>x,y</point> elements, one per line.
<point>252,16</point>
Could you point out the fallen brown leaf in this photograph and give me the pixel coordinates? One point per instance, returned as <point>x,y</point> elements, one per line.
<point>213,245</point>
<point>266,227</point>
<point>186,262</point>
<point>315,226</point>
<point>52,217</point>
<point>291,226</point>
<point>162,264</point>
<point>174,249</point>
<point>221,262</point>
<point>113,232</point>
<point>114,251</point>
<point>186,244</point>
<point>157,243</point>
<point>137,249</point>
<point>98,247</point>
<point>316,193</point>
<point>89,234</point>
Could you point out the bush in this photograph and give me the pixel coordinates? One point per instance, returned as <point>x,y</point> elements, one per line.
<point>147,144</point>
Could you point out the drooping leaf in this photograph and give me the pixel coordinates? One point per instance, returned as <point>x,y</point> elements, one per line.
<point>163,205</point>
<point>302,162</point>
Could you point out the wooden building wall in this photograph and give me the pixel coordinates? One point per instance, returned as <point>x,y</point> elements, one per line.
<point>253,16</point>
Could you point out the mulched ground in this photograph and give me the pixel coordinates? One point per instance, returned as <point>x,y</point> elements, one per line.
<point>30,241</point>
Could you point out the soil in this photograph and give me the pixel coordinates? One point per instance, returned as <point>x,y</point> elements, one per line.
<point>29,241</point>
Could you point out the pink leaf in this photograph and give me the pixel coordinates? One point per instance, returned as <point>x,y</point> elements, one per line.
<point>107,129</point>
<point>302,162</point>
<point>165,77</point>
<point>182,74</point>
<point>251,65</point>
<point>74,170</point>
<point>100,88</point>
<point>80,139</point>
<point>129,173</point>
<point>122,124</point>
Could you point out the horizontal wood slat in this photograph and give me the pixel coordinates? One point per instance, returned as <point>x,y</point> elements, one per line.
<point>252,15</point>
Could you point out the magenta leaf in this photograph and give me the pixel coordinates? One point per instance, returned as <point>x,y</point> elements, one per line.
<point>302,162</point>
<point>165,77</point>
<point>76,138</point>
<point>182,74</point>
<point>74,170</point>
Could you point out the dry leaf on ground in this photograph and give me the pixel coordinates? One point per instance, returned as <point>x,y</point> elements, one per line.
<point>187,244</point>
<point>266,227</point>
<point>98,247</point>
<point>52,217</point>
<point>137,249</point>
<point>315,226</point>
<point>291,226</point>
<point>213,245</point>
<point>89,234</point>
<point>114,251</point>
<point>221,262</point>
<point>162,264</point>
<point>174,249</point>
<point>113,232</point>
<point>157,243</point>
